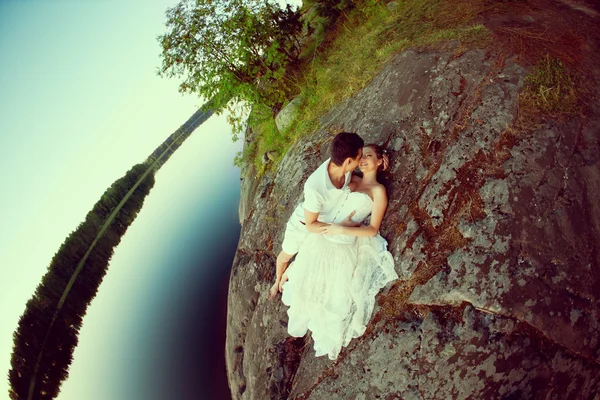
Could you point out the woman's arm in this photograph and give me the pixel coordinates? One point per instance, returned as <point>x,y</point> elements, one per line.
<point>380,203</point>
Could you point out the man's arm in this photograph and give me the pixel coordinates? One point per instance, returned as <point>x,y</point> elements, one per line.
<point>312,225</point>
<point>380,202</point>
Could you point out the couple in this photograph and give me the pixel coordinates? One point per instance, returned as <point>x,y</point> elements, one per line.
<point>341,263</point>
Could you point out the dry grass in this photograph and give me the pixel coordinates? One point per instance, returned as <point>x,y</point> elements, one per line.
<point>549,91</point>
<point>363,47</point>
<point>535,42</point>
<point>358,48</point>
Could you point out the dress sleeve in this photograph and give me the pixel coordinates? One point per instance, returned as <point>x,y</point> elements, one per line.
<point>313,200</point>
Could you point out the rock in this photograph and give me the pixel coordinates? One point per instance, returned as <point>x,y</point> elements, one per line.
<point>247,186</point>
<point>392,5</point>
<point>265,158</point>
<point>470,355</point>
<point>271,155</point>
<point>494,228</point>
<point>286,116</point>
<point>248,180</point>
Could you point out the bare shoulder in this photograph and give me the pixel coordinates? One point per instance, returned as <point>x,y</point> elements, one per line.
<point>378,190</point>
<point>379,194</point>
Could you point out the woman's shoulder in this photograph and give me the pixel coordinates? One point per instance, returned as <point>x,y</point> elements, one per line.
<point>378,190</point>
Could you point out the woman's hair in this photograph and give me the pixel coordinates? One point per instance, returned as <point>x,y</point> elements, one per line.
<point>345,145</point>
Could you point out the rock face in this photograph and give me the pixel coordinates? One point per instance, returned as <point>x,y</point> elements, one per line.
<point>494,225</point>
<point>286,116</point>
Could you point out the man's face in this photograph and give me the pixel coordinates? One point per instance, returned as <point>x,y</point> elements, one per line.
<point>352,166</point>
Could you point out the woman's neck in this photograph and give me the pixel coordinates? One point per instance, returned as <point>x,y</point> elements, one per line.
<point>369,178</point>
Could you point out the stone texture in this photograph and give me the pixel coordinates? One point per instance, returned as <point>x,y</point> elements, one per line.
<point>495,230</point>
<point>286,116</point>
<point>450,355</point>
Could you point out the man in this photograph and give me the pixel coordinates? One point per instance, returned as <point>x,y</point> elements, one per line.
<point>323,195</point>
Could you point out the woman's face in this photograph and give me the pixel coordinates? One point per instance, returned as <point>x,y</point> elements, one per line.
<point>369,160</point>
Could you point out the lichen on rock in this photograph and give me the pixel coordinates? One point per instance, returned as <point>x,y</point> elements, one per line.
<point>495,230</point>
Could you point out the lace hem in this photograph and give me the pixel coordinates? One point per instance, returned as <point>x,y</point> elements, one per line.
<point>332,287</point>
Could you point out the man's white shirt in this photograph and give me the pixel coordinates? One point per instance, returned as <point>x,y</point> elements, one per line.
<point>320,196</point>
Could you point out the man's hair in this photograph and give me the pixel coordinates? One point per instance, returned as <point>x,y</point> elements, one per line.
<point>345,144</point>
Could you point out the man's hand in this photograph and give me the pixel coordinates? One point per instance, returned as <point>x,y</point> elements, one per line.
<point>348,220</point>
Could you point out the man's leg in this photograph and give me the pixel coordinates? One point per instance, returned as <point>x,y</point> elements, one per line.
<point>283,260</point>
<point>293,237</point>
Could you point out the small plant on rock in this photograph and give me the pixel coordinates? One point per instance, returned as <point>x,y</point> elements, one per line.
<point>550,90</point>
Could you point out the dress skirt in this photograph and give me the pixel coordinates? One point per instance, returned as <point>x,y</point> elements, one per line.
<point>331,288</point>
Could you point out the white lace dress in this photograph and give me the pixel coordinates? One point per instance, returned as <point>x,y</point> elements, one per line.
<point>333,281</point>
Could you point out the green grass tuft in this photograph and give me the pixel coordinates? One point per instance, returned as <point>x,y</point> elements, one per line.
<point>549,89</point>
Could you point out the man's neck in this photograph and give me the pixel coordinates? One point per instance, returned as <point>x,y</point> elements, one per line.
<point>337,175</point>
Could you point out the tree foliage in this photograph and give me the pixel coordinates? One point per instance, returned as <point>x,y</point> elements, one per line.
<point>231,49</point>
<point>48,330</point>
<point>47,333</point>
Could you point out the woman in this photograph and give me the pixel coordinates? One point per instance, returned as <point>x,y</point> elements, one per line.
<point>332,283</point>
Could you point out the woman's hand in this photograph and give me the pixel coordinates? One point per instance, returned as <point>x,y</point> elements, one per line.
<point>332,229</point>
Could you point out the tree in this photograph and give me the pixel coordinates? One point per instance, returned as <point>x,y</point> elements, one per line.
<point>46,337</point>
<point>231,50</point>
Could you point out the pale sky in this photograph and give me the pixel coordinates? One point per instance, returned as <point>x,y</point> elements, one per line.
<point>80,104</point>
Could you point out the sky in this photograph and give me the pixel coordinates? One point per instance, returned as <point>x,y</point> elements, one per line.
<point>80,104</point>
